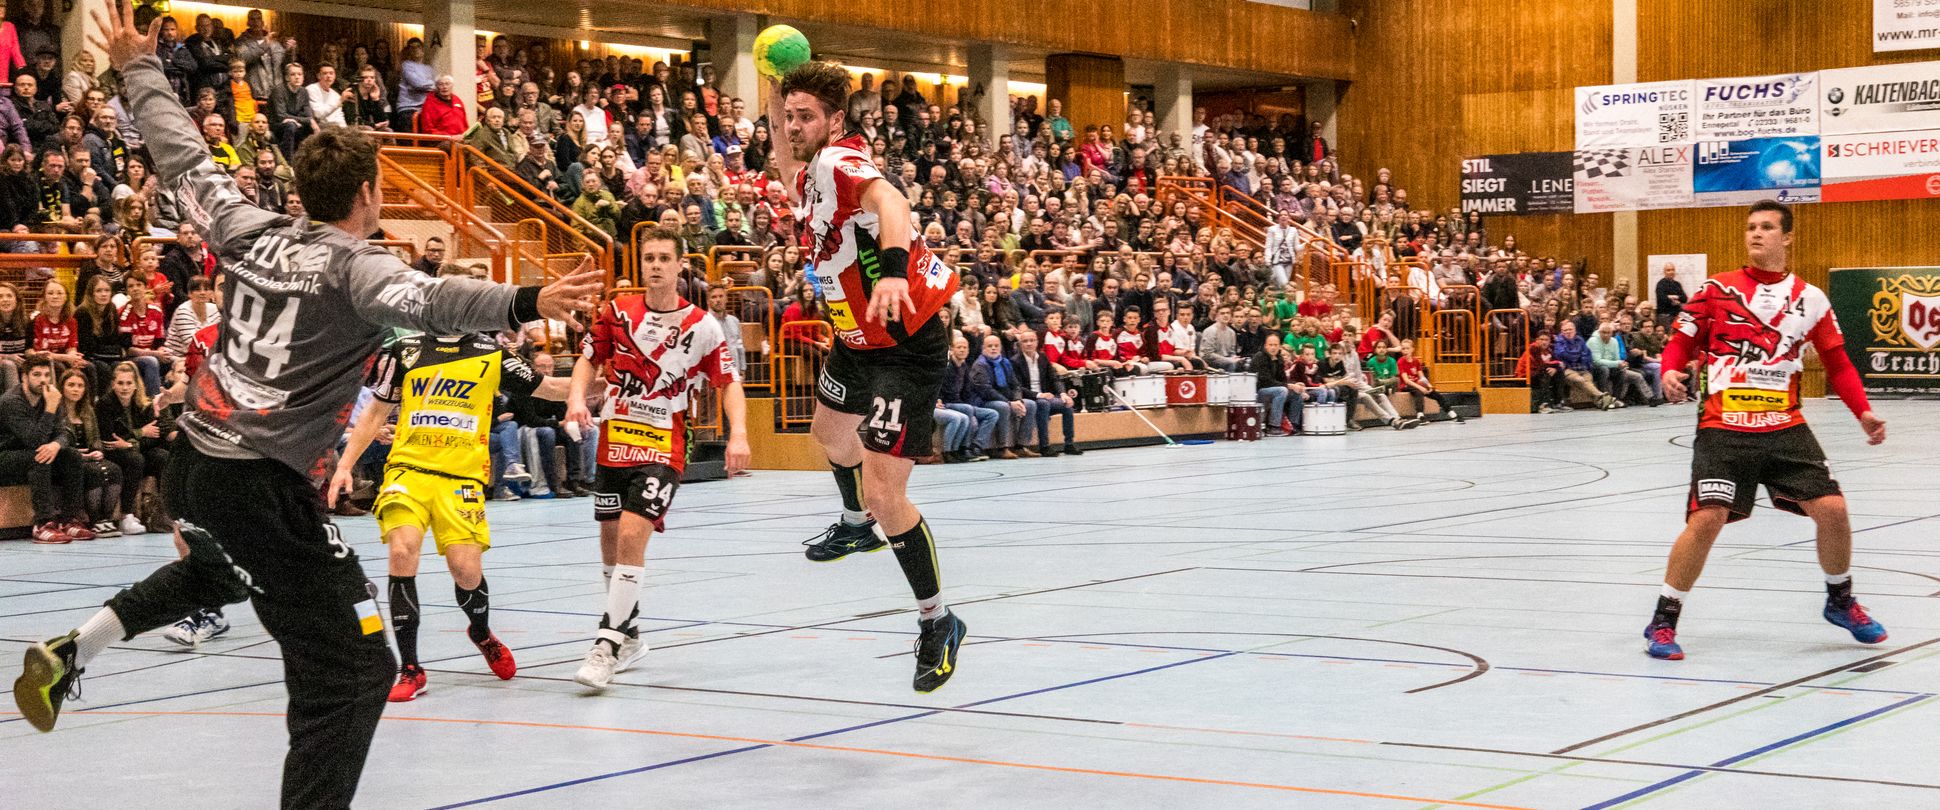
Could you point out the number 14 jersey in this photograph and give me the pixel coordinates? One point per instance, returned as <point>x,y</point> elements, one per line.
<point>652,360</point>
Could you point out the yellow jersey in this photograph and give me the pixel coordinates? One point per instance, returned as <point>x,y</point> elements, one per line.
<point>446,389</point>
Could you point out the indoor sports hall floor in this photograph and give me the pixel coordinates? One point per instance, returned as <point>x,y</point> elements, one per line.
<point>1446,617</point>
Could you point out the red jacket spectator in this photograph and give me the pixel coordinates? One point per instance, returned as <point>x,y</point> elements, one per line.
<point>145,330</point>
<point>56,338</point>
<point>442,116</point>
<point>1315,308</point>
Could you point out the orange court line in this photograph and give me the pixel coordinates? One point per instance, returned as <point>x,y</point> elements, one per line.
<point>877,751</point>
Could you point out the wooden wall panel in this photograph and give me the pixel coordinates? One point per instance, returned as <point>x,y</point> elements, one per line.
<point>1440,80</point>
<point>1221,33</point>
<point>1092,88</point>
<point>1750,37</point>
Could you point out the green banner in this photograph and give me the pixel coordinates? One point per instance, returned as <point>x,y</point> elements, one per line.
<point>1891,320</point>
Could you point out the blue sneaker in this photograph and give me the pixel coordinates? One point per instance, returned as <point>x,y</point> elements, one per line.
<point>1853,617</point>
<point>1661,642</point>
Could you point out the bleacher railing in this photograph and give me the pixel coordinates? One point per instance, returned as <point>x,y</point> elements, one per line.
<point>804,346</point>
<point>1504,335</point>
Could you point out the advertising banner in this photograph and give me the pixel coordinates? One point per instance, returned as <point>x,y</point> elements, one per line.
<point>1526,183</point>
<point>1881,166</point>
<point>1891,320</point>
<point>1906,25</point>
<point>1883,98</point>
<point>1632,179</point>
<point>1634,114</point>
<point>1757,107</point>
<point>1746,171</point>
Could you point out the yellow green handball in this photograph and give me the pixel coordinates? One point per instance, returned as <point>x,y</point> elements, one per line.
<point>778,50</point>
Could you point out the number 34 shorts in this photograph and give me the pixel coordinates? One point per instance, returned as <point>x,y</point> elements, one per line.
<point>452,510</point>
<point>894,389</point>
<point>646,490</point>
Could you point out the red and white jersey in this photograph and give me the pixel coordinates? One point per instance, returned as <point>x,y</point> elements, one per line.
<point>843,248</point>
<point>1131,345</point>
<point>145,329</point>
<point>1750,336</point>
<point>652,359</point>
<point>1178,337</point>
<point>1062,352</point>
<point>198,350</point>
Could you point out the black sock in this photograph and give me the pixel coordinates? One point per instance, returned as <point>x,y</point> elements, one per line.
<point>404,618</point>
<point>1840,595</point>
<point>916,553</point>
<point>1667,612</point>
<point>849,481</point>
<point>477,604</point>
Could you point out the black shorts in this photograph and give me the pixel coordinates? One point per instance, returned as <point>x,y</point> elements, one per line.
<point>646,490</point>
<point>894,390</point>
<point>1728,465</point>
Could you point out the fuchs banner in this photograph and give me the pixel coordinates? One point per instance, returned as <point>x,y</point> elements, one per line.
<point>1881,166</point>
<point>1527,183</point>
<point>1758,107</point>
<point>1634,114</point>
<point>1746,171</point>
<point>1891,320</point>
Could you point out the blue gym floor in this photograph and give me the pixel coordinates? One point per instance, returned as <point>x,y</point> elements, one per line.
<point>1444,617</point>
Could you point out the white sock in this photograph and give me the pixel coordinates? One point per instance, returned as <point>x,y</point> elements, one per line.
<point>854,518</point>
<point>622,594</point>
<point>1838,579</point>
<point>1673,593</point>
<point>931,608</point>
<point>606,574</point>
<point>99,631</point>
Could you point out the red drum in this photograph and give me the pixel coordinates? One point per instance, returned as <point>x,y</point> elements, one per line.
<point>1185,389</point>
<point>1243,422</point>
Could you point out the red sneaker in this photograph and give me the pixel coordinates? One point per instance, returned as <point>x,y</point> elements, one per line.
<point>51,534</point>
<point>410,684</point>
<point>498,657</point>
<point>78,531</point>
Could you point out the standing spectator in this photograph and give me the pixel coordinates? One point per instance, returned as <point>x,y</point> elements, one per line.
<point>415,80</point>
<point>34,450</point>
<point>1670,296</point>
<point>1042,384</point>
<point>994,381</point>
<point>265,54</point>
<point>1283,243</point>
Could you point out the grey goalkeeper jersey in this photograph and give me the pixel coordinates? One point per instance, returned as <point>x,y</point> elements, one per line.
<point>306,305</point>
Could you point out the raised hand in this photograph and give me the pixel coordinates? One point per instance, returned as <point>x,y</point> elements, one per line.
<point>117,35</point>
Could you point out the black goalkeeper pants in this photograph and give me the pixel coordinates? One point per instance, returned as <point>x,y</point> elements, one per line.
<point>256,529</point>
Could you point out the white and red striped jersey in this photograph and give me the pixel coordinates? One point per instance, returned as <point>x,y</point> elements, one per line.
<point>652,359</point>
<point>1748,330</point>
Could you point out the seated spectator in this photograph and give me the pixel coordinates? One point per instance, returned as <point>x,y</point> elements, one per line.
<point>1276,394</point>
<point>597,206</point>
<point>508,465</point>
<point>1414,380</point>
<point>16,333</point>
<point>202,310</point>
<point>1575,356</point>
<point>34,450</point>
<point>955,395</point>
<point>956,429</point>
<point>1343,372</point>
<point>1178,342</point>
<point>1646,352</point>
<point>1139,355</point>
<point>1611,369</point>
<point>443,113</point>
<point>142,326</point>
<point>540,432</point>
<point>1305,372</point>
<point>994,381</point>
<point>1042,384</point>
<point>1219,343</point>
<point>132,439</point>
<point>101,479</point>
<point>290,109</point>
<point>98,329</point>
<point>1249,338</point>
<point>56,334</point>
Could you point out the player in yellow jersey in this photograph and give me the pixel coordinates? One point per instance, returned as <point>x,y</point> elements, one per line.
<point>437,474</point>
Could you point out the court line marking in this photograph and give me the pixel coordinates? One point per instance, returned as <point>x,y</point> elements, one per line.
<point>1724,764</point>
<point>756,743</point>
<point>1746,696</point>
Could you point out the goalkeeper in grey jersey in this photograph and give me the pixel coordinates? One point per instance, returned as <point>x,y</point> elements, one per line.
<point>307,301</point>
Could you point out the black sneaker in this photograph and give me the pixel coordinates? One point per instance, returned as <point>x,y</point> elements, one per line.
<point>1072,450</point>
<point>49,678</point>
<point>1047,451</point>
<point>842,540</point>
<point>936,651</point>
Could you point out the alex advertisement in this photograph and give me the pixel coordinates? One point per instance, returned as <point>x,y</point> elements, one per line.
<point>1634,114</point>
<point>1742,172</point>
<point>1882,98</point>
<point>1891,320</point>
<point>1632,179</point>
<point>1527,183</point>
<point>1758,107</point>
<point>1881,166</point>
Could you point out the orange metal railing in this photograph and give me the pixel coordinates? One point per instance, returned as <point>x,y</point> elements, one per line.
<point>1503,335</point>
<point>804,346</point>
<point>501,195</point>
<point>755,306</point>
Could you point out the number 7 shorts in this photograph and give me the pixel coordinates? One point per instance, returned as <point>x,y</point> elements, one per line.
<point>894,389</point>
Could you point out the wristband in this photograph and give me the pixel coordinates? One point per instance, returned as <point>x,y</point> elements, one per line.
<point>895,262</point>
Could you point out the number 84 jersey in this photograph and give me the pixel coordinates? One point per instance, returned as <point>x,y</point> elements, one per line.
<point>652,360</point>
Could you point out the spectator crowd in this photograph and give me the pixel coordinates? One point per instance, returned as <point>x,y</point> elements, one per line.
<point>1073,265</point>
